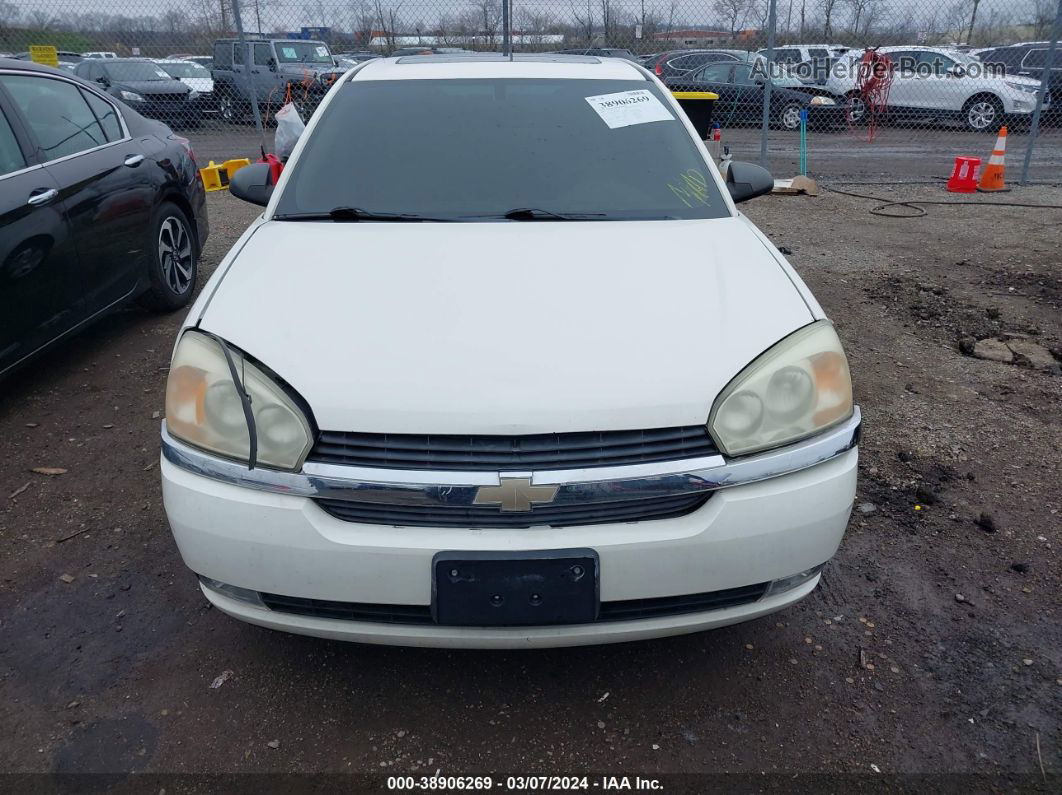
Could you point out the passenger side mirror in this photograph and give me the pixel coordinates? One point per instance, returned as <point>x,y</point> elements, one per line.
<point>253,184</point>
<point>746,181</point>
<point>103,81</point>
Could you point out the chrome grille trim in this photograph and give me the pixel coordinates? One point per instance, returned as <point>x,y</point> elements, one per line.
<point>575,487</point>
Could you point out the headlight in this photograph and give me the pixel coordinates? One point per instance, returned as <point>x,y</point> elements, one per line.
<point>204,406</point>
<point>1024,87</point>
<point>820,100</point>
<point>193,94</point>
<point>130,96</point>
<point>797,388</point>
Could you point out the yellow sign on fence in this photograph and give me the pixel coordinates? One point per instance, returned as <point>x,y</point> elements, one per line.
<point>44,54</point>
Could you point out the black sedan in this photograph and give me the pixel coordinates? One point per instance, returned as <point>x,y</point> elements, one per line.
<point>145,86</point>
<point>740,87</point>
<point>98,206</point>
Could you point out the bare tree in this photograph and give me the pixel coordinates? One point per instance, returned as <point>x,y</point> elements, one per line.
<point>488,13</point>
<point>585,22</point>
<point>40,20</point>
<point>9,16</point>
<point>827,7</point>
<point>734,12</point>
<point>389,22</point>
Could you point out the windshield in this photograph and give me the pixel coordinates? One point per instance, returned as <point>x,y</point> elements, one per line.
<point>187,69</point>
<point>302,52</point>
<point>474,148</point>
<point>133,71</point>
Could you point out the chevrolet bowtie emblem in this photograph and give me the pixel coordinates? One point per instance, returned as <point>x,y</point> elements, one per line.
<point>515,494</point>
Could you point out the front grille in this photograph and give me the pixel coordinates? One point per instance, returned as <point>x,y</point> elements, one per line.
<point>610,611</point>
<point>631,609</point>
<point>515,453</point>
<point>493,517</point>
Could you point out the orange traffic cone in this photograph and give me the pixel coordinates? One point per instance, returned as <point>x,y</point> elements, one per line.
<point>992,176</point>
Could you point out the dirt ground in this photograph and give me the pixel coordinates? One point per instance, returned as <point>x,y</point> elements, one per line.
<point>933,647</point>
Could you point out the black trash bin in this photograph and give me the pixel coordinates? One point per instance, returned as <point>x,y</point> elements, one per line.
<point>698,106</point>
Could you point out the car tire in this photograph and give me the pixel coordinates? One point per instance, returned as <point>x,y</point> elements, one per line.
<point>230,109</point>
<point>789,116</point>
<point>983,113</point>
<point>174,264</point>
<point>858,108</point>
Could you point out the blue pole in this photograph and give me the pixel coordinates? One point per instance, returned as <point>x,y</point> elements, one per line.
<point>804,141</point>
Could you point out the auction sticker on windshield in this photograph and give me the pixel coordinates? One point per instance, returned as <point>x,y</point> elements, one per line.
<point>629,107</point>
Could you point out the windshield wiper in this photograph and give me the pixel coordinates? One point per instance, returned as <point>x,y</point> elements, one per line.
<point>535,214</point>
<point>354,214</point>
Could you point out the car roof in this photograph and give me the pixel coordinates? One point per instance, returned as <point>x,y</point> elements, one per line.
<point>488,65</point>
<point>28,66</point>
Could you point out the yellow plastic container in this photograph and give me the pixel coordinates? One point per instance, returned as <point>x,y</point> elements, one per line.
<point>216,176</point>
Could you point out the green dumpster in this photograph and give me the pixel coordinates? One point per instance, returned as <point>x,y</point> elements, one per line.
<point>698,106</point>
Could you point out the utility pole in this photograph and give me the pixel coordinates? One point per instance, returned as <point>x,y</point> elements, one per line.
<point>507,37</point>
<point>766,123</point>
<point>973,18</point>
<point>248,63</point>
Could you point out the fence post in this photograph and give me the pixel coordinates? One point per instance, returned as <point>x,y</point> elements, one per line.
<point>766,123</point>
<point>507,40</point>
<point>248,63</point>
<point>1045,78</point>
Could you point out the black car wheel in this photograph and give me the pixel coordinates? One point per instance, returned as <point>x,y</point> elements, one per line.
<point>175,261</point>
<point>230,109</point>
<point>982,114</point>
<point>857,109</point>
<point>790,116</point>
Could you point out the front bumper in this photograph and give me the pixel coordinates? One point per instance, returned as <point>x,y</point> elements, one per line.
<point>769,517</point>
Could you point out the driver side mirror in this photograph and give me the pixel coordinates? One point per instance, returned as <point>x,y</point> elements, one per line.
<point>744,181</point>
<point>272,64</point>
<point>957,71</point>
<point>253,184</point>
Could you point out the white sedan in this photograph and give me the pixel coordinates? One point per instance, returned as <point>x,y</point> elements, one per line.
<point>505,369</point>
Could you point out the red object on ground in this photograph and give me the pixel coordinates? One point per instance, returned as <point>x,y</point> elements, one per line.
<point>964,178</point>
<point>275,167</point>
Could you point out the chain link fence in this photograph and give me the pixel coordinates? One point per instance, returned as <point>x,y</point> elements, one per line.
<point>888,89</point>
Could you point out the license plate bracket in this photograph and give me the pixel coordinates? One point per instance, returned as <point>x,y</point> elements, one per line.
<point>500,589</point>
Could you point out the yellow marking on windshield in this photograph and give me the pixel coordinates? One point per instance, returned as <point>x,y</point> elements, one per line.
<point>692,188</point>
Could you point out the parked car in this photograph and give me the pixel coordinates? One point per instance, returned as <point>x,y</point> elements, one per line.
<point>99,54</point>
<point>740,88</point>
<point>206,61</point>
<point>1030,60</point>
<point>98,206</point>
<point>669,451</point>
<point>354,57</point>
<point>196,78</point>
<point>936,83</point>
<point>799,53</point>
<point>602,52</point>
<point>298,70</point>
<point>676,63</point>
<point>145,86</point>
<point>66,58</point>
<point>425,50</point>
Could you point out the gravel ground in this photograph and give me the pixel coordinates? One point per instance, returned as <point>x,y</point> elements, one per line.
<point>934,645</point>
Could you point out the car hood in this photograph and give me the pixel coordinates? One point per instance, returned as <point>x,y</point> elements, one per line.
<point>509,327</point>
<point>204,85</point>
<point>146,87</point>
<point>1032,82</point>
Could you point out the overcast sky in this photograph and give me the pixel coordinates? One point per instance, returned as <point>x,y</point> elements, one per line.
<point>291,14</point>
